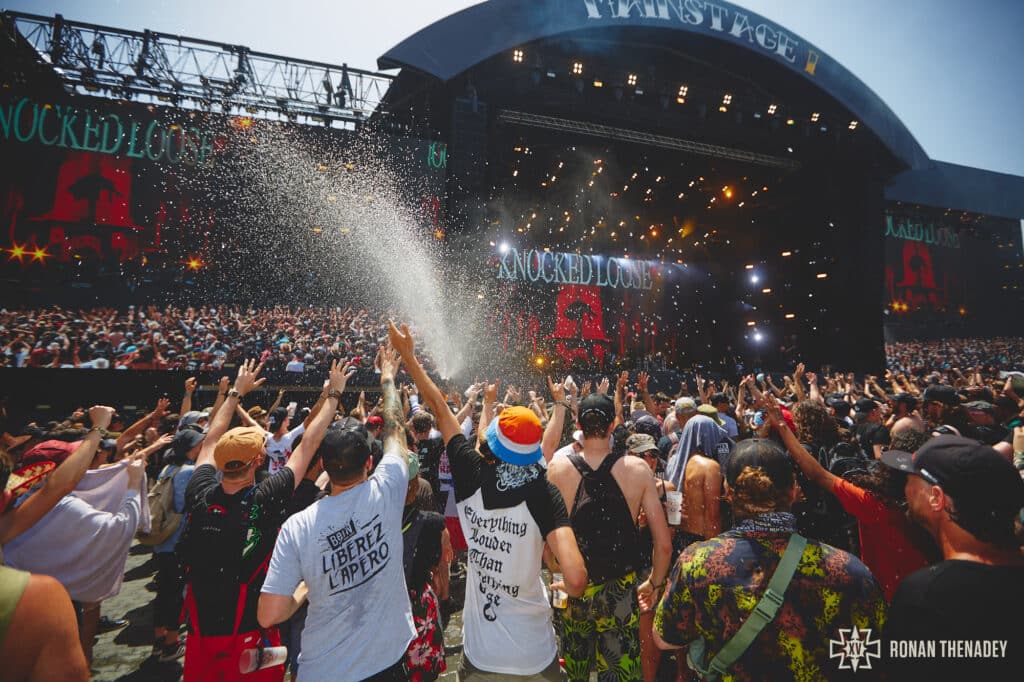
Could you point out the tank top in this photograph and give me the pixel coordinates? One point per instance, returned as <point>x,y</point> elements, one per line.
<point>12,586</point>
<point>605,529</point>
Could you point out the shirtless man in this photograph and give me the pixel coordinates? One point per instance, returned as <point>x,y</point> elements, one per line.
<point>604,520</point>
<point>904,415</point>
<point>696,471</point>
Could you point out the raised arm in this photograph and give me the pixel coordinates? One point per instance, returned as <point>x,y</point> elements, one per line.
<point>186,399</point>
<point>798,384</point>
<point>244,416</point>
<point>641,383</point>
<point>620,394</point>
<point>553,431</point>
<point>810,466</point>
<point>221,420</point>
<point>222,394</point>
<point>138,427</point>
<point>277,402</point>
<point>812,381</point>
<point>403,342</point>
<point>61,482</point>
<point>394,433</point>
<point>299,461</point>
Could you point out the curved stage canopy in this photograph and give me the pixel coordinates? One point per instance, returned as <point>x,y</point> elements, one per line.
<point>458,42</point>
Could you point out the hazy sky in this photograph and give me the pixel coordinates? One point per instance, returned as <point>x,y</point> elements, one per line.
<point>950,69</point>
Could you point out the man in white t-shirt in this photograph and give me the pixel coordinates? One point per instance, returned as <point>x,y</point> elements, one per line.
<point>508,511</point>
<point>347,550</point>
<point>279,445</point>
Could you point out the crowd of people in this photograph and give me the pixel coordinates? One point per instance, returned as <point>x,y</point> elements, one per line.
<point>797,527</point>
<point>956,356</point>
<point>190,339</point>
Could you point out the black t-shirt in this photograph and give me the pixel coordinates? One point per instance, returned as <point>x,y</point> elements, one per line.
<point>223,549</point>
<point>958,600</point>
<point>421,532</point>
<point>306,494</point>
<point>504,485</point>
<point>429,452</point>
<point>870,434</point>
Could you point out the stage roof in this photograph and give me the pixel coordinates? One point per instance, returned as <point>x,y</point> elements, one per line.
<point>458,42</point>
<point>947,185</point>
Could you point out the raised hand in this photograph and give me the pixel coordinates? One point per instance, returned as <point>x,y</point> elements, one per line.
<point>812,378</point>
<point>389,362</point>
<point>557,390</point>
<point>340,374</point>
<point>585,391</point>
<point>603,385</point>
<point>401,339</point>
<point>161,408</point>
<point>222,387</point>
<point>772,411</point>
<point>491,392</point>
<point>641,381</point>
<point>799,370</point>
<point>247,379</point>
<point>101,415</point>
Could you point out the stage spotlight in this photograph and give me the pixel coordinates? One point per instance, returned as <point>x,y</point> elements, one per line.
<point>787,254</point>
<point>194,263</point>
<point>598,83</point>
<point>631,80</point>
<point>539,361</point>
<point>577,68</point>
<point>684,90</point>
<point>754,279</point>
<point>727,99</point>
<point>772,108</point>
<point>790,316</point>
<point>517,56</point>
<point>822,275</point>
<point>758,337</point>
<point>749,266</point>
<point>853,125</point>
<point>790,122</point>
<point>503,248</point>
<point>815,116</point>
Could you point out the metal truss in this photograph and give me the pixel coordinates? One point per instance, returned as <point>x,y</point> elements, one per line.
<point>626,135</point>
<point>195,73</point>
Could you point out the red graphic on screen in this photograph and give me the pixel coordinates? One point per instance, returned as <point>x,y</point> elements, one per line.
<point>917,286</point>
<point>93,189</point>
<point>579,325</point>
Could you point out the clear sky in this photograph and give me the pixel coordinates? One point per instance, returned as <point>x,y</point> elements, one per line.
<point>950,69</point>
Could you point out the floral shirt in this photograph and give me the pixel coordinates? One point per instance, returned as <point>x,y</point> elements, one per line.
<point>424,659</point>
<point>716,584</point>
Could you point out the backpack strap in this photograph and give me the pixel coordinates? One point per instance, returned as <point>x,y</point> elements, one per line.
<point>765,610</point>
<point>580,464</point>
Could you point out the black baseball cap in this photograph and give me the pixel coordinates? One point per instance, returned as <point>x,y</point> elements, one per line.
<point>941,394</point>
<point>907,398</point>
<point>276,418</point>
<point>976,476</point>
<point>863,407</point>
<point>597,406</point>
<point>346,441</point>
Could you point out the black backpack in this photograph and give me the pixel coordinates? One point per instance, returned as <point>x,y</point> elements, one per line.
<point>843,458</point>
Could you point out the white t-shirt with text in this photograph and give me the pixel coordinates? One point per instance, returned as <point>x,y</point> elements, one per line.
<point>348,550</point>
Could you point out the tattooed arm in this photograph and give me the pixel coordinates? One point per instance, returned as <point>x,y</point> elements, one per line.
<point>394,429</point>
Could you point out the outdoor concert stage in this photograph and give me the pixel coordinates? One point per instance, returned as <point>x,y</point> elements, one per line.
<point>655,183</point>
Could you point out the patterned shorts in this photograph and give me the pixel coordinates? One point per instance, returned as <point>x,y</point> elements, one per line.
<point>601,631</point>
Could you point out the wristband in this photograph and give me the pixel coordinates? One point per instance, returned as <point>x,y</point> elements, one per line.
<point>562,403</point>
<point>232,394</point>
<point>100,430</point>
